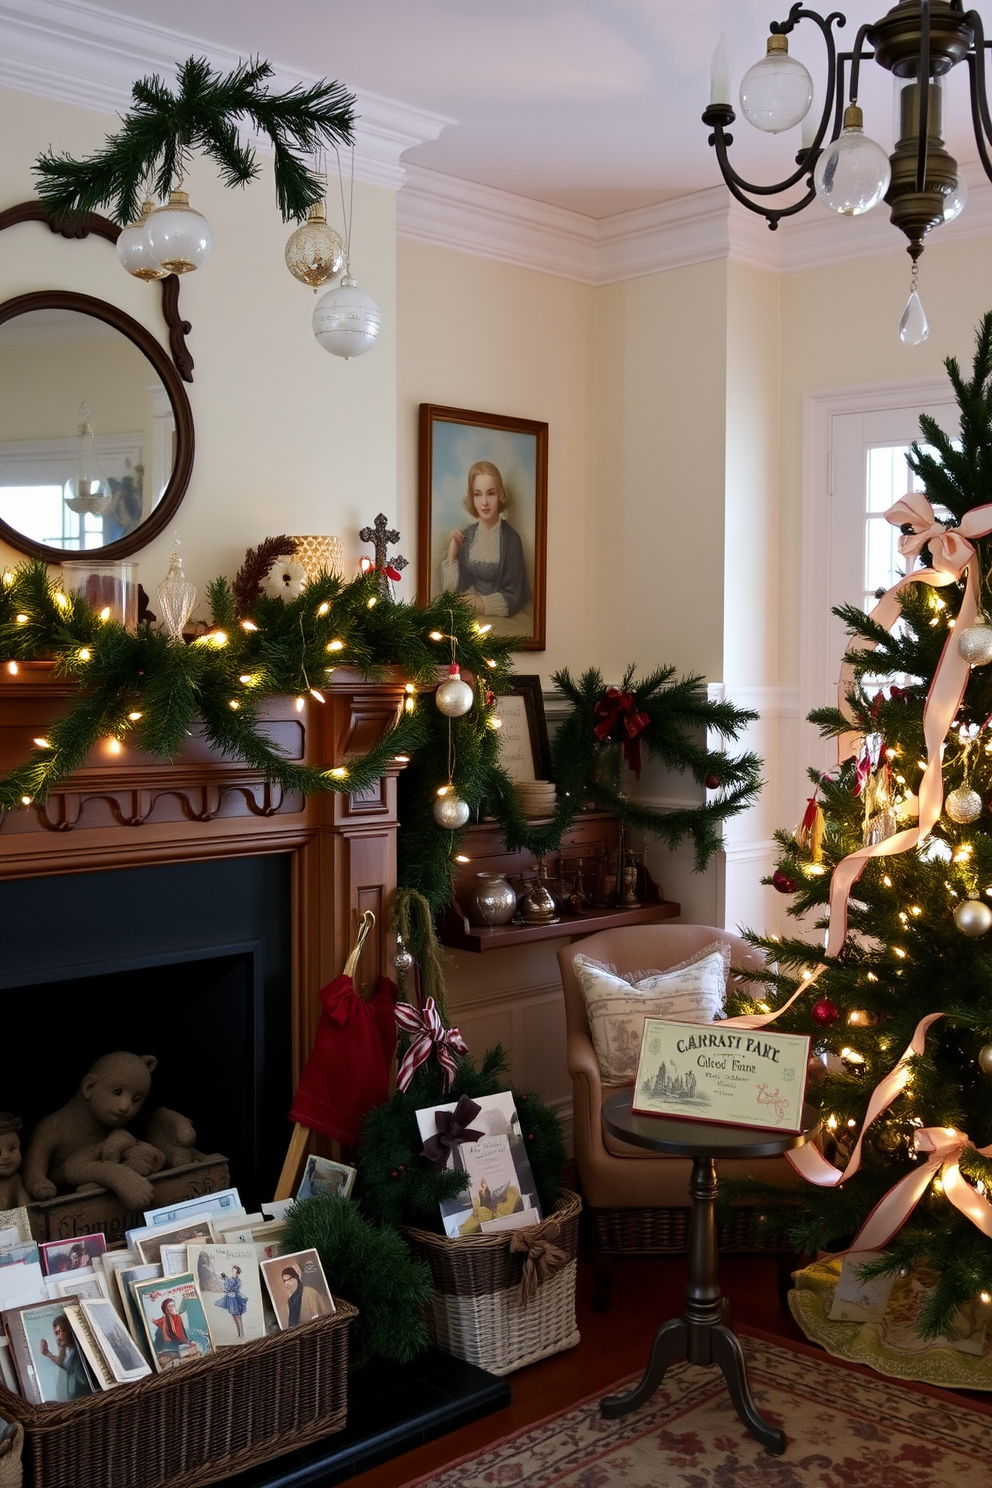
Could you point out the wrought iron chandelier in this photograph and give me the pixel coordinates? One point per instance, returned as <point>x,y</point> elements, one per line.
<point>919,42</point>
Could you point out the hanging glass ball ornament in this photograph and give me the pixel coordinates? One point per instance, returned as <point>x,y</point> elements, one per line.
<point>783,882</point>
<point>985,1059</point>
<point>315,253</point>
<point>853,173</point>
<point>975,642</point>
<point>973,918</point>
<point>454,698</point>
<point>450,811</point>
<point>403,959</point>
<point>824,1012</point>
<point>777,91</point>
<point>133,250</point>
<point>176,596</point>
<point>179,237</point>
<point>963,805</point>
<point>346,321</point>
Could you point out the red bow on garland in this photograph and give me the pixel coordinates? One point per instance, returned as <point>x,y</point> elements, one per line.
<point>621,707</point>
<point>427,1032</point>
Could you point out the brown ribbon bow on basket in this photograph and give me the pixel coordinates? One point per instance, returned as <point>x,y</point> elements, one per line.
<point>542,1257</point>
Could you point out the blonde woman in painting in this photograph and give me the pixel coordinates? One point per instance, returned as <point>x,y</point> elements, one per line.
<point>485,560</point>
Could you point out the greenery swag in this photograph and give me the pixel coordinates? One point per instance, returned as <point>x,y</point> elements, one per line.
<point>164,128</point>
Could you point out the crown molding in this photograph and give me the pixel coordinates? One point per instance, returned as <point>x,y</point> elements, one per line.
<point>76,53</point>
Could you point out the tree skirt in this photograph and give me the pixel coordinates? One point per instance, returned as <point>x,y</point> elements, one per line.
<point>893,1346</point>
<point>846,1428</point>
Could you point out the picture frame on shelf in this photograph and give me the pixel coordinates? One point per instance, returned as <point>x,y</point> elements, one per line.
<point>524,750</point>
<point>483,491</point>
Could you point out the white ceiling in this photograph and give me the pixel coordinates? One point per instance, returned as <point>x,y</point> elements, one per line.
<point>589,105</point>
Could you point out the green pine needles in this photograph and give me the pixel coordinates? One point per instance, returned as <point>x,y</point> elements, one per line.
<point>164,128</point>
<point>905,956</point>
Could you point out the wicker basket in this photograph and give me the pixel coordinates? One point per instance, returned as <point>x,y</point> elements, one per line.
<point>477,1313</point>
<point>198,1423</point>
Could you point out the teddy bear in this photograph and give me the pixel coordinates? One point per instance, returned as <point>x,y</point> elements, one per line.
<point>85,1143</point>
<point>13,1194</point>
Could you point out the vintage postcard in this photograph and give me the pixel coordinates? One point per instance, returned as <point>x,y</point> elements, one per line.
<point>174,1259</point>
<point>298,1288</point>
<point>20,1251</point>
<point>17,1220</point>
<point>124,1359</point>
<point>149,1244</point>
<point>499,1183</point>
<point>129,1308</point>
<point>226,1201</point>
<point>60,1256</point>
<point>230,1287</point>
<point>325,1178</point>
<point>20,1283</point>
<point>8,1374</point>
<point>45,1353</point>
<point>735,1076</point>
<point>85,1284</point>
<point>860,1300</point>
<point>174,1320</point>
<point>266,1238</point>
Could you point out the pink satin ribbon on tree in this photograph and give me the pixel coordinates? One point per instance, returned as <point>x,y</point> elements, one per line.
<point>427,1032</point>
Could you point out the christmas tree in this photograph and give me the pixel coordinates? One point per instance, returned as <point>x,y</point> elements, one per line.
<point>893,859</point>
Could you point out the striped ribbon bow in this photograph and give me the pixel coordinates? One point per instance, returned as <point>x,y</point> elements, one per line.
<point>427,1032</point>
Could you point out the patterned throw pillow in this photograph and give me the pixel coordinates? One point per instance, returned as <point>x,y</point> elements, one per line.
<point>692,992</point>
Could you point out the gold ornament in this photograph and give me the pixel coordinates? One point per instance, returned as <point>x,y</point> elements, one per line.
<point>315,253</point>
<point>985,1059</point>
<point>975,643</point>
<point>963,805</point>
<point>973,918</point>
<point>450,811</point>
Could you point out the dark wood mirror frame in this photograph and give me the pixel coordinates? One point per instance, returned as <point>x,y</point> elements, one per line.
<point>173,371</point>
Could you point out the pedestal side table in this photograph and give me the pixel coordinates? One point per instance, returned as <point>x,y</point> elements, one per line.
<point>702,1335</point>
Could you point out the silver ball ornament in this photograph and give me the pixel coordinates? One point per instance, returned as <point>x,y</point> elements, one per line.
<point>973,918</point>
<point>963,805</point>
<point>985,1059</point>
<point>454,697</point>
<point>403,959</point>
<point>451,812</point>
<point>975,643</point>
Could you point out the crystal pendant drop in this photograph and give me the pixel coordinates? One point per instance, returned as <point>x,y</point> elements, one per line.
<point>914,328</point>
<point>176,596</point>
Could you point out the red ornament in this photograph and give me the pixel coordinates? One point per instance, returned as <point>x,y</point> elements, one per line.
<point>782,882</point>
<point>712,782</point>
<point>825,1012</point>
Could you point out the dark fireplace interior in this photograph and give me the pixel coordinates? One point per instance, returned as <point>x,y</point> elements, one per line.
<point>190,962</point>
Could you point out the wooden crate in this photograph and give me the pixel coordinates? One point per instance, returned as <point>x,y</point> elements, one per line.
<point>97,1209</point>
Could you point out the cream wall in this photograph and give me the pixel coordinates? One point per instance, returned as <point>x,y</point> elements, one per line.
<point>288,438</point>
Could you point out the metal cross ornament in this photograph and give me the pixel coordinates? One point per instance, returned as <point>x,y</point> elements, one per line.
<point>382,537</point>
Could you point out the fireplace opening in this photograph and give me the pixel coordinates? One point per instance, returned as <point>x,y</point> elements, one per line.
<point>190,962</point>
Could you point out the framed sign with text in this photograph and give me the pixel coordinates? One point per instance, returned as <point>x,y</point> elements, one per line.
<point>524,752</point>
<point>709,1072</point>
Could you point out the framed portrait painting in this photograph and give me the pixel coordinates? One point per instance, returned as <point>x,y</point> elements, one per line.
<point>483,517</point>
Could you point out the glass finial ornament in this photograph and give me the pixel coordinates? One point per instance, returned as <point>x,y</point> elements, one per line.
<point>402,960</point>
<point>449,810</point>
<point>963,805</point>
<point>777,91</point>
<point>346,321</point>
<point>914,328</point>
<point>89,489</point>
<point>179,237</point>
<point>853,173</point>
<point>975,642</point>
<point>454,697</point>
<point>176,595</point>
<point>133,250</point>
<point>315,252</point>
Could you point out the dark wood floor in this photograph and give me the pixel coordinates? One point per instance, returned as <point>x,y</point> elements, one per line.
<point>614,1345</point>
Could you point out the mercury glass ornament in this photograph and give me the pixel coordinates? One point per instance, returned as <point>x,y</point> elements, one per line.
<point>454,697</point>
<point>975,642</point>
<point>179,237</point>
<point>315,253</point>
<point>963,805</point>
<point>985,1059</point>
<point>403,960</point>
<point>450,811</point>
<point>133,250</point>
<point>176,596</point>
<point>346,321</point>
<point>973,918</point>
<point>493,901</point>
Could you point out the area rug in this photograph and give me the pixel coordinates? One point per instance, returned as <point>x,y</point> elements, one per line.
<point>846,1428</point>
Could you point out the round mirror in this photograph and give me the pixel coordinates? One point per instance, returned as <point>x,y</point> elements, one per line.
<point>96,432</point>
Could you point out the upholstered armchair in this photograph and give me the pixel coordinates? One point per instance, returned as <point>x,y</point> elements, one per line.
<point>638,1201</point>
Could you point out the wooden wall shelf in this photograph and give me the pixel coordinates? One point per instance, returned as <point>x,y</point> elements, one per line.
<point>457,933</point>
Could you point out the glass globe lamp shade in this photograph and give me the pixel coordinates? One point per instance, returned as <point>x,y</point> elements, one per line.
<point>955,204</point>
<point>315,253</point>
<point>777,91</point>
<point>853,173</point>
<point>133,251</point>
<point>346,321</point>
<point>87,492</point>
<point>179,237</point>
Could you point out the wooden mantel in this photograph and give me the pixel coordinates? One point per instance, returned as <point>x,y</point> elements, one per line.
<point>127,809</point>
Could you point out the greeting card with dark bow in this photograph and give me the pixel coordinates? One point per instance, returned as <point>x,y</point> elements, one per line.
<point>482,1138</point>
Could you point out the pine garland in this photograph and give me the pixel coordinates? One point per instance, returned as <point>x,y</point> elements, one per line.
<point>163,129</point>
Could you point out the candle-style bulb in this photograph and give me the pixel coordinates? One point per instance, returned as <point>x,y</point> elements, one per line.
<point>721,71</point>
